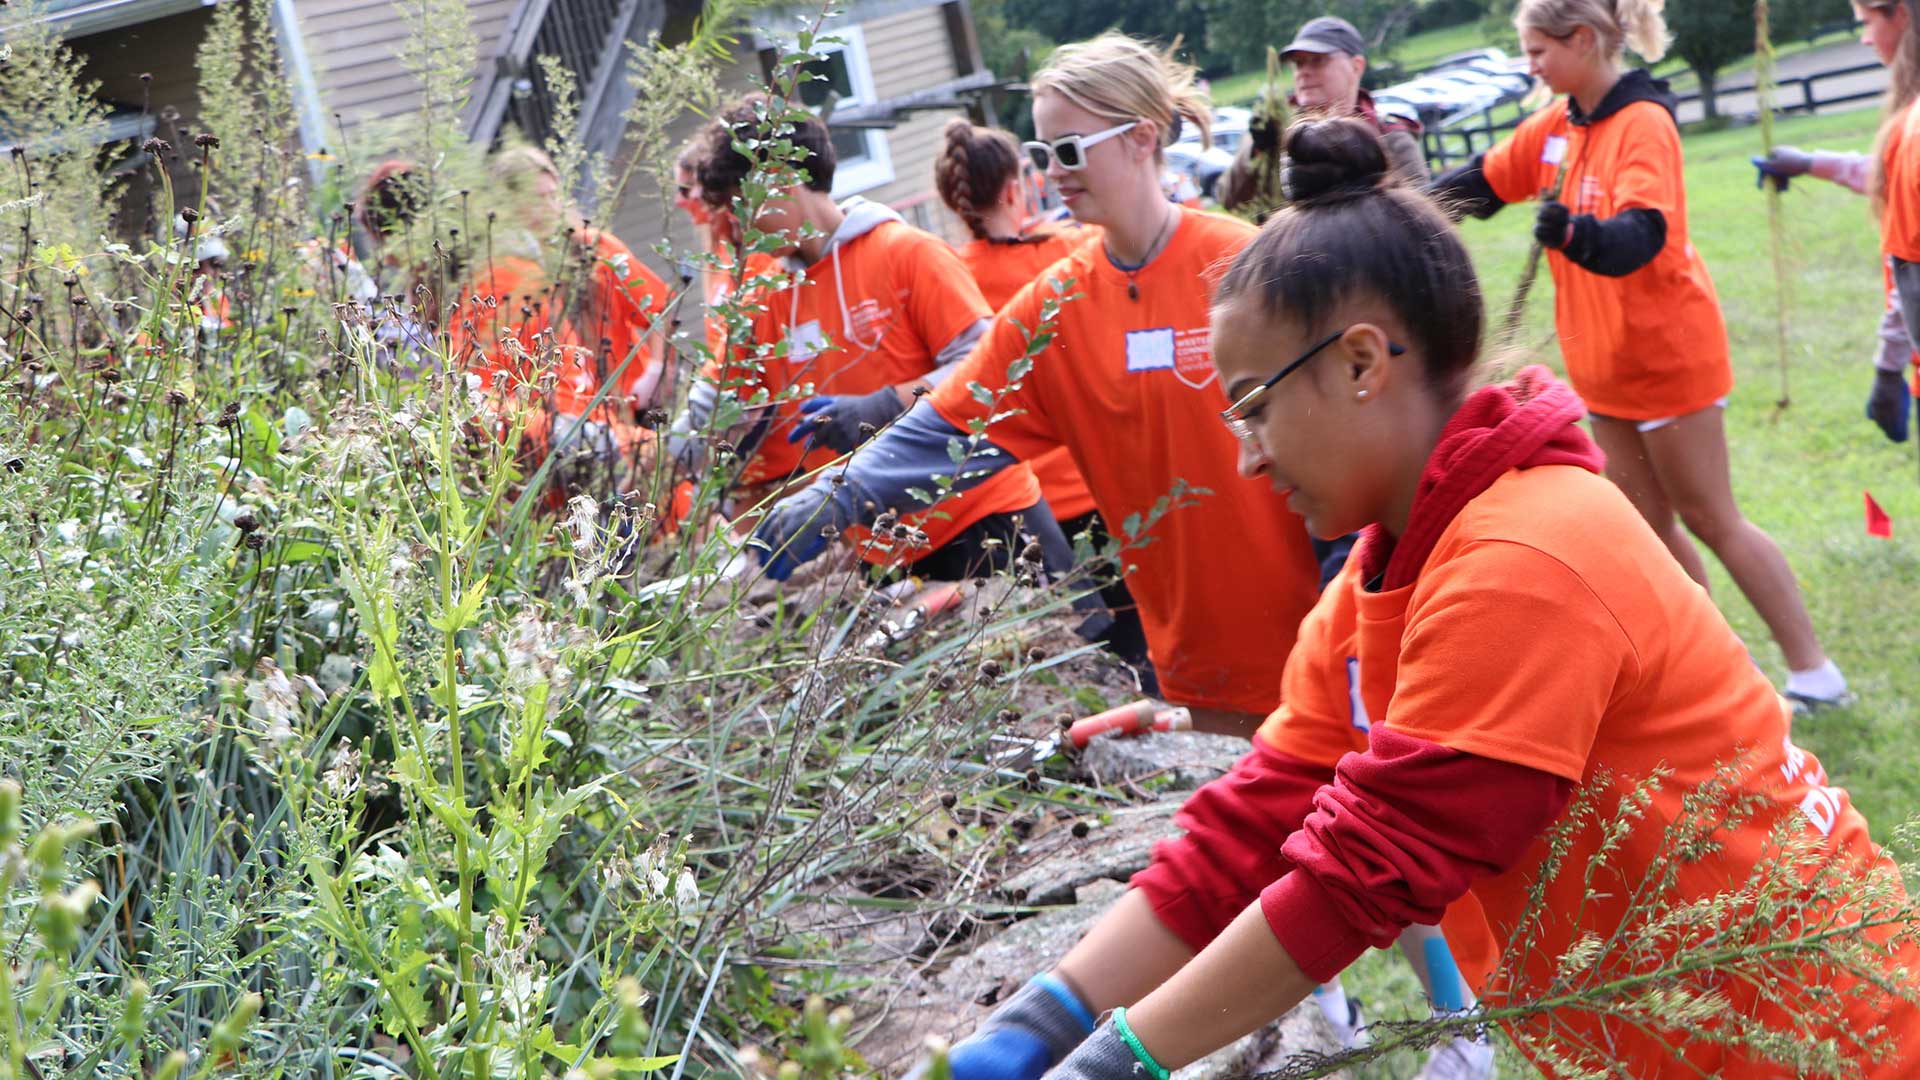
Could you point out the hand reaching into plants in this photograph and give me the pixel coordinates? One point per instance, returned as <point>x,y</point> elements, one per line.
<point>1023,1038</point>
<point>795,531</point>
<point>841,422</point>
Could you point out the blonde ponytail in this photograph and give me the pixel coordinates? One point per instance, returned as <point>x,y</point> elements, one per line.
<point>1123,78</point>
<point>1619,25</point>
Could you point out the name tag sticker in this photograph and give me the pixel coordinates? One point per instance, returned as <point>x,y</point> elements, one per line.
<point>1555,151</point>
<point>805,341</point>
<point>1150,350</point>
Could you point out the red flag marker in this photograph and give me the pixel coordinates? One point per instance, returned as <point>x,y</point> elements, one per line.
<point>1878,523</point>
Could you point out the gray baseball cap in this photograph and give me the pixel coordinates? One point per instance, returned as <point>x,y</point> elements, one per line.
<point>1327,34</point>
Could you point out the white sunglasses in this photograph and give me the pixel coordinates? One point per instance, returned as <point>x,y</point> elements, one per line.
<point>1071,150</point>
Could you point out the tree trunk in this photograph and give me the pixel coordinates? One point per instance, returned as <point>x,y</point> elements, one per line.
<point>1709,93</point>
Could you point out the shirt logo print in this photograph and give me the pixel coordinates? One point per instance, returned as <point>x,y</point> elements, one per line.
<point>1356,705</point>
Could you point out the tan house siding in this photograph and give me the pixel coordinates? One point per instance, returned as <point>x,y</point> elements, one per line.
<point>910,51</point>
<point>354,47</point>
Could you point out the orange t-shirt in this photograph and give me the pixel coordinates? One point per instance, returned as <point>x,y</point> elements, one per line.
<point>1650,344</point>
<point>1001,270</point>
<point>1128,387</point>
<point>1571,643</point>
<point>874,312</point>
<point>1900,217</point>
<point>595,326</point>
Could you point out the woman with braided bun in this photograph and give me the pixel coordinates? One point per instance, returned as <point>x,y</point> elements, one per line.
<point>1508,627</point>
<point>1637,314</point>
<point>979,177</point>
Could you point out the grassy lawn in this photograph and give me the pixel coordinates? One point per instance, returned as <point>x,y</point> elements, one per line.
<point>1798,473</point>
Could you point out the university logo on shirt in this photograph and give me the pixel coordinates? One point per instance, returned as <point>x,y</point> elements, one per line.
<point>1186,353</point>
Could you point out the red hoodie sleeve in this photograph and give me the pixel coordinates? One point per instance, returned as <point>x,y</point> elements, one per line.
<point>1200,881</point>
<point>1402,831</point>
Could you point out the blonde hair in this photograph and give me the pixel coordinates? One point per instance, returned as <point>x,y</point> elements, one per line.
<point>1124,78</point>
<point>1619,24</point>
<point>1903,87</point>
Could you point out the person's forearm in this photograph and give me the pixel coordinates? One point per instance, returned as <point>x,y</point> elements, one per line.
<point>1242,981</point>
<point>907,455</point>
<point>1851,171</point>
<point>1126,954</point>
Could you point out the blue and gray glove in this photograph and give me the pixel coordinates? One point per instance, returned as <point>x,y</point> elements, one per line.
<point>841,422</point>
<point>1025,1036</point>
<point>1105,1055</point>
<point>796,531</point>
<point>1780,165</point>
<point>1890,403</point>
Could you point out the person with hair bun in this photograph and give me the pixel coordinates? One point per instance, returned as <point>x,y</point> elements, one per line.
<point>1508,627</point>
<point>1123,383</point>
<point>1639,322</point>
<point>1891,28</point>
<point>978,175</point>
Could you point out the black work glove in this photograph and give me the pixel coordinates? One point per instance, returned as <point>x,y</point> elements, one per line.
<point>1264,133</point>
<point>1889,403</point>
<point>841,422</point>
<point>1550,224</point>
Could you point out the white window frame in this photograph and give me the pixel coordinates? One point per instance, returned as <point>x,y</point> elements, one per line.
<point>852,178</point>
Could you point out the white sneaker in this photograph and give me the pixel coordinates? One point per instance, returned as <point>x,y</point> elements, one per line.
<point>1352,1032</point>
<point>1460,1059</point>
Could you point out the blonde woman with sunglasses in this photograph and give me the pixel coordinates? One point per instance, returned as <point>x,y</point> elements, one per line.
<point>1126,385</point>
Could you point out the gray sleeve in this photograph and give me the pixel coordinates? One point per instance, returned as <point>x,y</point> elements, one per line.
<point>909,454</point>
<point>954,351</point>
<point>1895,351</point>
<point>1853,171</point>
<point>1407,157</point>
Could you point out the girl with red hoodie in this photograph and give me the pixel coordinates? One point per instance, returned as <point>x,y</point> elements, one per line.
<point>1638,320</point>
<point>1508,627</point>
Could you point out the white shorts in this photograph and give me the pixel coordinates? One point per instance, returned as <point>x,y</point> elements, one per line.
<point>1644,426</point>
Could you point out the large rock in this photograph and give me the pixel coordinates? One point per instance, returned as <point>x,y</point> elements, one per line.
<point>1049,870</point>
<point>954,1002</point>
<point>1183,759</point>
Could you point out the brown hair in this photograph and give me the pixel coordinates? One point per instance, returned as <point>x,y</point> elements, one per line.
<point>1124,78</point>
<point>1620,24</point>
<point>1350,229</point>
<point>973,168</point>
<point>721,169</point>
<point>1903,86</point>
<point>392,197</point>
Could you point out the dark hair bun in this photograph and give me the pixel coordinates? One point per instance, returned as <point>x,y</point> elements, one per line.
<point>1333,160</point>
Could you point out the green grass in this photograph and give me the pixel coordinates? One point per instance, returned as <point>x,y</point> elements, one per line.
<point>1799,473</point>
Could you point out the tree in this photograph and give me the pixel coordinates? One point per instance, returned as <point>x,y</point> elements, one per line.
<point>1710,34</point>
<point>1239,31</point>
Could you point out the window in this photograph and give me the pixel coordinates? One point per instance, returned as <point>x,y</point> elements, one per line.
<point>846,80</point>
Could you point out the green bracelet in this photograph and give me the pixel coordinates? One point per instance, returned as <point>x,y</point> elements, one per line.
<point>1125,1029</point>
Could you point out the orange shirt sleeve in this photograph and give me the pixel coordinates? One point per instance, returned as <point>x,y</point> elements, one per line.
<point>1647,176</point>
<point>1508,654</point>
<point>942,297</point>
<point>1512,168</point>
<point>1019,422</point>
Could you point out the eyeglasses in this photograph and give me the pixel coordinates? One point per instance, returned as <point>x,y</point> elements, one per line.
<point>1235,415</point>
<point>1071,150</point>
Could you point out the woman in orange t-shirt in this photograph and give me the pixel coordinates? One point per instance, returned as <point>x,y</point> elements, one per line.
<point>1639,322</point>
<point>979,177</point>
<point>1507,629</point>
<point>1891,28</point>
